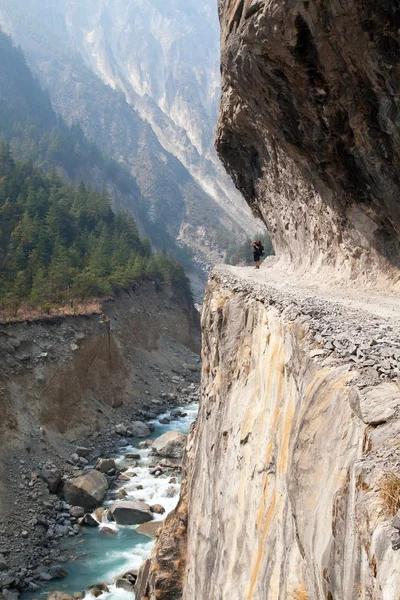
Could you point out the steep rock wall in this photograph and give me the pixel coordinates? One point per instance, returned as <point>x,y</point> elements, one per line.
<point>289,456</point>
<point>283,496</point>
<point>309,129</point>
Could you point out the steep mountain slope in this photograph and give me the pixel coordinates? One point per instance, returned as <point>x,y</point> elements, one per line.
<point>52,35</point>
<point>165,57</point>
<point>35,133</point>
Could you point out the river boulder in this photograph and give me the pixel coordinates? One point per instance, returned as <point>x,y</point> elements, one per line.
<point>105,465</point>
<point>139,429</point>
<point>170,445</point>
<point>130,512</point>
<point>150,530</point>
<point>87,490</point>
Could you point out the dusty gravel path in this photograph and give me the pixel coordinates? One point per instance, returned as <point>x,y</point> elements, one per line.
<point>369,301</point>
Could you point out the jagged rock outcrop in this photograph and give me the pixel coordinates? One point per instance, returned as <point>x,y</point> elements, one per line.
<point>309,129</point>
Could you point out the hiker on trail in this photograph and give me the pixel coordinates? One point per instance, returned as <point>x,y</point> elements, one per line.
<point>258,251</point>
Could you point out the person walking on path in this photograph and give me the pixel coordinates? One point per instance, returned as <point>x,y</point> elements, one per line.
<point>258,251</point>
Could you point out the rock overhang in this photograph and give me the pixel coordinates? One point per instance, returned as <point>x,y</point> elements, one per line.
<point>309,129</point>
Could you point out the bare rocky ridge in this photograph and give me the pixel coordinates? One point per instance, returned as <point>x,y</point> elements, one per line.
<point>309,129</point>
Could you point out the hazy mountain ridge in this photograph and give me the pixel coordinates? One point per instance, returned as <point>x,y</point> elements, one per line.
<point>61,45</point>
<point>165,57</point>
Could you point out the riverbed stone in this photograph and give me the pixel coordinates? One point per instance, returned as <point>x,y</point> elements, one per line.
<point>87,490</point>
<point>88,520</point>
<point>82,451</point>
<point>131,512</point>
<point>57,572</point>
<point>98,589</point>
<point>124,584</point>
<point>170,463</point>
<point>158,509</point>
<point>145,444</point>
<point>139,429</point>
<point>170,445</point>
<point>59,596</point>
<point>151,529</point>
<point>108,531</point>
<point>105,465</point>
<point>77,511</point>
<point>120,429</point>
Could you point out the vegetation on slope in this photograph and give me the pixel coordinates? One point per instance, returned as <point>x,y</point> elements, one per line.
<point>60,242</point>
<point>35,133</point>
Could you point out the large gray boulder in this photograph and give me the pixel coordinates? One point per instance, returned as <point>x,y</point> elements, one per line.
<point>105,465</point>
<point>170,444</point>
<point>87,490</point>
<point>130,513</point>
<point>139,429</point>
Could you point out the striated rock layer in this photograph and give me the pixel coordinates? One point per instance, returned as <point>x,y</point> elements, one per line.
<point>309,128</point>
<point>284,492</point>
<point>295,439</point>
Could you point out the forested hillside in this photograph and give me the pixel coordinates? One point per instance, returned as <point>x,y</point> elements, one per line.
<point>60,242</point>
<point>35,133</point>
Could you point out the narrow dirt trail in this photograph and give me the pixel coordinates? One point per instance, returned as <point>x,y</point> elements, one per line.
<point>369,301</point>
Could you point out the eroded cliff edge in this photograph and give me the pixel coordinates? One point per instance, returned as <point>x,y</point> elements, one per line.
<point>296,435</point>
<point>67,378</point>
<point>309,129</point>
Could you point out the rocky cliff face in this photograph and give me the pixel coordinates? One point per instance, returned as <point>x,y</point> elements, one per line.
<point>285,486</point>
<point>293,480</point>
<point>291,455</point>
<point>309,129</point>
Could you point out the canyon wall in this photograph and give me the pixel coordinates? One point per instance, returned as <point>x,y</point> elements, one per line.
<point>309,129</point>
<point>63,378</point>
<point>291,449</point>
<point>293,478</point>
<point>292,454</point>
